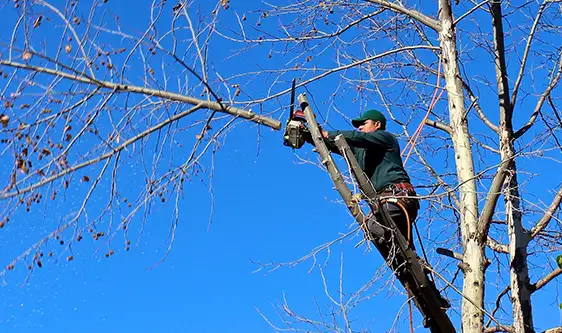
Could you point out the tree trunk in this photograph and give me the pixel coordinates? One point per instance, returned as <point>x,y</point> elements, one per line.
<point>518,240</point>
<point>518,236</point>
<point>474,258</point>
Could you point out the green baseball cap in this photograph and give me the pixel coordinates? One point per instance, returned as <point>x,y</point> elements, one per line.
<point>374,115</point>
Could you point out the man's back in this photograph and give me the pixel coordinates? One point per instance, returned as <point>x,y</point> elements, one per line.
<point>378,154</point>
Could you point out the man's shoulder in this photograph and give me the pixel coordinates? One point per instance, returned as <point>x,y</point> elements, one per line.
<point>383,134</point>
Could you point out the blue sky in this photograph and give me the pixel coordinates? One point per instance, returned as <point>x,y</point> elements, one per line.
<point>268,208</point>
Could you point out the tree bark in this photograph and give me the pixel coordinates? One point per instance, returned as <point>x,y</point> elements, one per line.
<point>518,236</point>
<point>474,257</point>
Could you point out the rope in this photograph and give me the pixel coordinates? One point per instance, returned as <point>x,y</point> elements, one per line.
<point>410,311</point>
<point>409,234</point>
<point>408,222</point>
<point>412,143</point>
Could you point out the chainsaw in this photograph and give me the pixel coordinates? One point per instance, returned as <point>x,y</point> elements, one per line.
<point>295,129</point>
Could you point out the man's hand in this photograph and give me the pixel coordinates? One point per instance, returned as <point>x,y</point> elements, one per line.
<point>325,134</point>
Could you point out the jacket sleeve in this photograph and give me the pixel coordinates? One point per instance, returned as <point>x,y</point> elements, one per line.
<point>357,139</point>
<point>330,143</point>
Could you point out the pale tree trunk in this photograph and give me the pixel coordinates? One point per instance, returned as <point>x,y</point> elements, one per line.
<point>518,240</point>
<point>518,236</point>
<point>474,258</point>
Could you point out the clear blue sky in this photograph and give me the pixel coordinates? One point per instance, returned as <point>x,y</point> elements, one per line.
<point>268,208</point>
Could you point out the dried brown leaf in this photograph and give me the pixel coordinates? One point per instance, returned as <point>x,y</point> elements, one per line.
<point>37,21</point>
<point>4,120</point>
<point>27,55</point>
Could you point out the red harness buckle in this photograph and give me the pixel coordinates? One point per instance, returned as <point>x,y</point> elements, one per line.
<point>403,186</point>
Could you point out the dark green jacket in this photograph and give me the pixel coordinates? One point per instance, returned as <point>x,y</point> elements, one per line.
<point>378,154</point>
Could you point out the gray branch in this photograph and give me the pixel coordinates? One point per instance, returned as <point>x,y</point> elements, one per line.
<point>540,103</point>
<point>439,125</point>
<point>545,280</point>
<point>220,107</point>
<point>492,199</point>
<point>329,163</point>
<point>426,20</point>
<point>545,219</point>
<point>554,330</point>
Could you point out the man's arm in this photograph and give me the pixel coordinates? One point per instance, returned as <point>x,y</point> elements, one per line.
<point>330,143</point>
<point>362,140</point>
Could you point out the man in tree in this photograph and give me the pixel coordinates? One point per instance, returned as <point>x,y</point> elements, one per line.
<point>378,154</point>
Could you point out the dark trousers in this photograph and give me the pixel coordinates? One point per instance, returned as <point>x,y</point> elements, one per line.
<point>398,215</point>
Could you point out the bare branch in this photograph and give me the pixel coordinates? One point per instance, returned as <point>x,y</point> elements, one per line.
<point>73,31</point>
<point>428,21</point>
<point>496,246</point>
<point>439,125</point>
<point>290,38</point>
<point>471,11</point>
<point>545,280</point>
<point>526,52</point>
<point>554,330</point>
<point>498,300</point>
<point>492,199</point>
<point>270,122</point>
<point>350,65</point>
<point>545,219</point>
<point>105,156</point>
<point>479,110</point>
<point>543,97</point>
<point>495,329</point>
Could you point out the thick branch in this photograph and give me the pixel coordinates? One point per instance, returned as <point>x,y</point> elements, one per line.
<point>426,20</point>
<point>495,329</point>
<point>492,199</point>
<point>449,253</point>
<point>554,330</point>
<point>545,219</point>
<point>505,107</point>
<point>545,280</point>
<point>439,125</point>
<point>329,163</point>
<point>446,252</point>
<point>270,122</point>
<point>494,245</point>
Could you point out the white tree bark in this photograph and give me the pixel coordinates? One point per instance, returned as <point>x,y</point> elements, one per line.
<point>474,258</point>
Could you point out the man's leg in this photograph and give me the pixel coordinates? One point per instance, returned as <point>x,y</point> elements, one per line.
<point>399,217</point>
<point>402,224</point>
